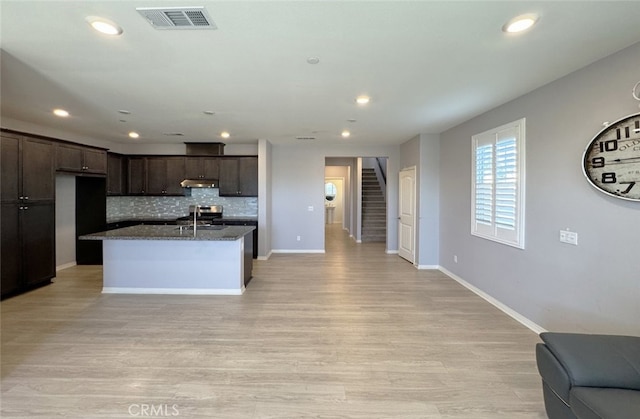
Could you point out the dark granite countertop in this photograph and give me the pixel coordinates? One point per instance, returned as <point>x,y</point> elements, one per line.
<point>155,232</point>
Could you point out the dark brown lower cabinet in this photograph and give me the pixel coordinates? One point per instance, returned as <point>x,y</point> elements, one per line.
<point>254,244</point>
<point>28,246</point>
<point>11,253</point>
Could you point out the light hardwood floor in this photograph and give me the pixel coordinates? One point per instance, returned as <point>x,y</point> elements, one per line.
<point>353,333</point>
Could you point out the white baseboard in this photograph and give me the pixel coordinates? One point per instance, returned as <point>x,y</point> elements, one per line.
<point>391,252</point>
<point>65,266</point>
<point>265,257</point>
<point>502,307</point>
<point>171,291</point>
<point>298,250</point>
<point>436,267</point>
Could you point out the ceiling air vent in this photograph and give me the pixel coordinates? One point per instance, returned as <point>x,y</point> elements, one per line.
<point>177,17</point>
<point>305,138</point>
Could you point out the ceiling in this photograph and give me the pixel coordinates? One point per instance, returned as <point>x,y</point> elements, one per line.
<point>427,66</point>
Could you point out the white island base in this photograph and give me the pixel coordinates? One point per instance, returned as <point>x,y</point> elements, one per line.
<point>199,267</point>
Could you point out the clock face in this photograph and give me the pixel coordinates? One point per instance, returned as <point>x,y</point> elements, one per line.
<point>611,161</point>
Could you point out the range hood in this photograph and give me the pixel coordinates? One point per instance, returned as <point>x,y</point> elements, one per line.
<point>199,183</point>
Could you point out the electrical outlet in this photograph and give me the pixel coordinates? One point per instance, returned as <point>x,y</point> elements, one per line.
<point>569,237</point>
<point>310,208</point>
<point>455,258</point>
<point>298,238</point>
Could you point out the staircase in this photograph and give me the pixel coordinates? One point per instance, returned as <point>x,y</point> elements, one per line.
<point>374,208</point>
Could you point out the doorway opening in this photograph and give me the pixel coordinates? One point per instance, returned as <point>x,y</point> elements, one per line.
<point>355,191</point>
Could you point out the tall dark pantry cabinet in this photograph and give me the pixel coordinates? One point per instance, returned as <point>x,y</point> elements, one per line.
<point>27,205</point>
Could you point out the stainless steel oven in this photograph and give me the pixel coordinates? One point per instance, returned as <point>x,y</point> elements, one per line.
<point>201,214</point>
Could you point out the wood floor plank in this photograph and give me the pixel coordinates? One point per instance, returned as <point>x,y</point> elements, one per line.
<point>352,333</point>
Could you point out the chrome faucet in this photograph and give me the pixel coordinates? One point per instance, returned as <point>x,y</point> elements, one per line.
<point>196,212</point>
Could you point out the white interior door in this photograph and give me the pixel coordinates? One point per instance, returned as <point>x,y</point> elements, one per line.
<point>407,211</point>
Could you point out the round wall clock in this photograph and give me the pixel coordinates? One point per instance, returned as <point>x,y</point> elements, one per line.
<point>611,161</point>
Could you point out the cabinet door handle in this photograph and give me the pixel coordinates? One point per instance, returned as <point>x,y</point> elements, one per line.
<point>26,197</point>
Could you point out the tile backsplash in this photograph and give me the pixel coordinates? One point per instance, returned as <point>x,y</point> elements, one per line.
<point>143,207</point>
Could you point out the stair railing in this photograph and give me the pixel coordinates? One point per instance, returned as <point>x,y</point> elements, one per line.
<point>382,176</point>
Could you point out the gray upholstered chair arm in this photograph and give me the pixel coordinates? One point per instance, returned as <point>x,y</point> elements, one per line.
<point>595,360</point>
<point>553,373</point>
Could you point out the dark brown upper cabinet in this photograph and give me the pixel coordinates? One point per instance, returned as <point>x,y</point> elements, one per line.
<point>202,168</point>
<point>164,175</point>
<point>136,175</point>
<point>156,175</point>
<point>77,159</point>
<point>239,176</point>
<point>27,170</point>
<point>116,174</point>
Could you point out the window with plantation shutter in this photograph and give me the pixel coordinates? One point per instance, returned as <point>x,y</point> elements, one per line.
<point>498,184</point>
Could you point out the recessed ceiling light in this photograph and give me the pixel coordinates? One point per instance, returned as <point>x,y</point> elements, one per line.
<point>363,100</point>
<point>61,113</point>
<point>520,23</point>
<point>313,60</point>
<point>124,112</point>
<point>133,134</point>
<point>345,133</point>
<point>208,112</point>
<point>104,26</point>
<point>225,134</point>
<point>351,120</point>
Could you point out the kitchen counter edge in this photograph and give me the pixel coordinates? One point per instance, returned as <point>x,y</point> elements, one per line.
<point>170,232</point>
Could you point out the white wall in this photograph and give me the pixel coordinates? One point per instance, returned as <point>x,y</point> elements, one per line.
<point>65,221</point>
<point>592,287</point>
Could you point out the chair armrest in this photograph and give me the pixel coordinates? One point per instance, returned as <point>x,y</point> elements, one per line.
<point>553,373</point>
<point>597,360</point>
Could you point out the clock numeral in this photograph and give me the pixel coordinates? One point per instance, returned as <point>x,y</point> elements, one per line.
<point>609,145</point>
<point>609,177</point>
<point>626,191</point>
<point>597,162</point>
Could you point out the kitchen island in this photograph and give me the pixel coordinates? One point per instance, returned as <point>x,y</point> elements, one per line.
<point>152,259</point>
